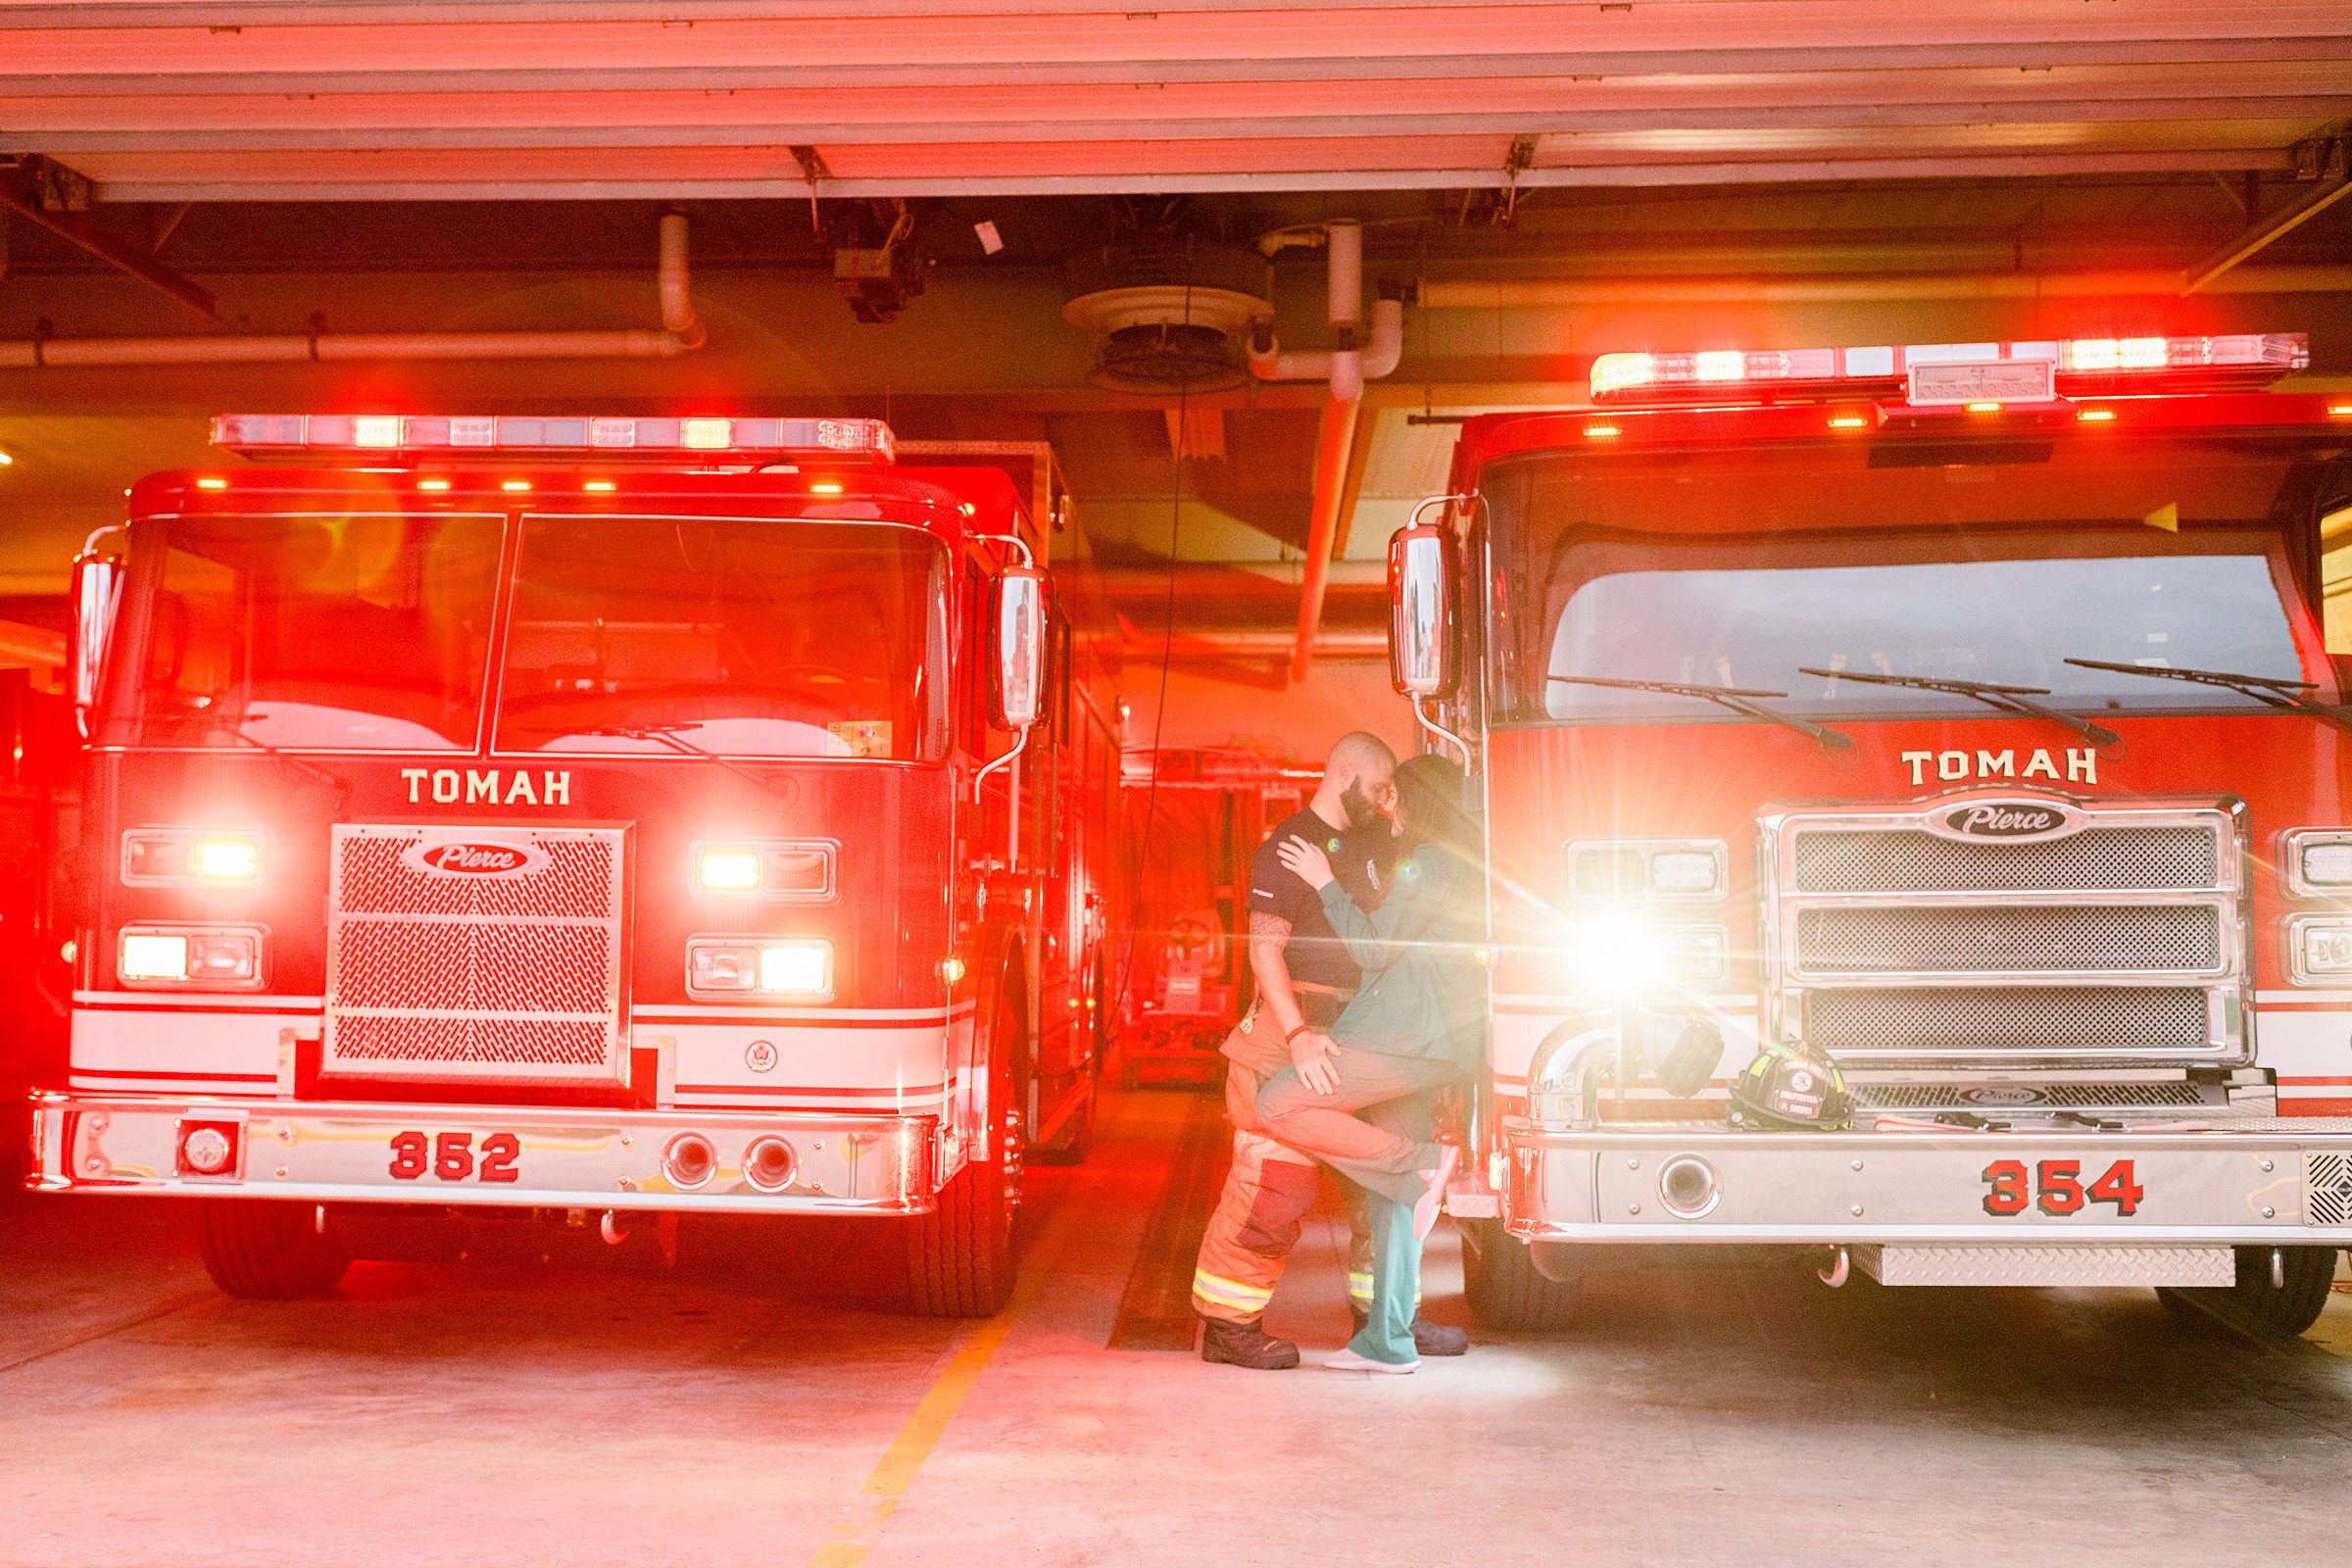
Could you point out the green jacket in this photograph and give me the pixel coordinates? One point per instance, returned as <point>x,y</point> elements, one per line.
<point>1424,992</point>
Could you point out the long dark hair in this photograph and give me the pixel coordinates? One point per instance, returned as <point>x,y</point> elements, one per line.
<point>1428,805</point>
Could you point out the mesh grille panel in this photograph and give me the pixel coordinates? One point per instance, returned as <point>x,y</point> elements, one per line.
<point>2022,1021</point>
<point>1997,941</point>
<point>509,968</point>
<point>2061,1097</point>
<point>576,882</point>
<point>1911,859</point>
<point>406,1040</point>
<point>440,977</point>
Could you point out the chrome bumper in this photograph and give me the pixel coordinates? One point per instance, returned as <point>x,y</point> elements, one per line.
<point>345,1153</point>
<point>2266,1184</point>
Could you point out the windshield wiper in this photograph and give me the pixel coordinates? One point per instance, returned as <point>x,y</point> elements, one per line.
<point>2008,699</point>
<point>2291,695</point>
<point>1735,699</point>
<point>667,735</point>
<point>218,723</point>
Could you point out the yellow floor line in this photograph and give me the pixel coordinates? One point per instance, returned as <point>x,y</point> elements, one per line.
<point>859,1528</point>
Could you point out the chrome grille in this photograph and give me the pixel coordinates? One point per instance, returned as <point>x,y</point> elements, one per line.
<point>2029,939</point>
<point>2019,1020</point>
<point>2038,1097</point>
<point>2095,859</point>
<point>2116,940</point>
<point>516,977</point>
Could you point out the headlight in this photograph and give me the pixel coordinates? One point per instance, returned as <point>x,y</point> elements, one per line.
<point>1658,868</point>
<point>2318,862</point>
<point>1623,952</point>
<point>799,872</point>
<point>798,967</point>
<point>2318,949</point>
<point>203,957</point>
<point>184,857</point>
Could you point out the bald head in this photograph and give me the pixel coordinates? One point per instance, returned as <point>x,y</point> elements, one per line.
<point>1359,754</point>
<point>1360,781</point>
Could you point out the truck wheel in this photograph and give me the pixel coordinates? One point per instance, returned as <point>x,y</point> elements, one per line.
<point>1500,1278</point>
<point>960,1255</point>
<point>267,1252</point>
<point>2254,1306</point>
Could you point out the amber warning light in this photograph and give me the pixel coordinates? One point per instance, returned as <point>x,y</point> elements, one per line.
<point>701,437</point>
<point>1953,375</point>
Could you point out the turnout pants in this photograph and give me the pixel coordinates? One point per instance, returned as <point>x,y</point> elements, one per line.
<point>1269,1191</point>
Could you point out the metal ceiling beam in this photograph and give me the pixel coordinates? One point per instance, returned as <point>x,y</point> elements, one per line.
<point>2244,59</point>
<point>2062,123</point>
<point>226,184</point>
<point>2313,202</point>
<point>21,193</point>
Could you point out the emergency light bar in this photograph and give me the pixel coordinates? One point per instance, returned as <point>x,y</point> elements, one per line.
<point>1954,374</point>
<point>457,435</point>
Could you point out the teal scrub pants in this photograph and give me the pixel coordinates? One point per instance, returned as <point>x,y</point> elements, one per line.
<point>1388,1335</point>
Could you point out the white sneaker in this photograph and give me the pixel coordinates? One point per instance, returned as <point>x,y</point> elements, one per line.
<point>1348,1361</point>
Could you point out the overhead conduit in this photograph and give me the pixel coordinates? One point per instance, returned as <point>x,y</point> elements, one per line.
<point>680,332</point>
<point>1345,367</point>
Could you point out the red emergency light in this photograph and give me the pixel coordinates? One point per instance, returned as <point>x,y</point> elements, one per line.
<point>704,437</point>
<point>1955,376</point>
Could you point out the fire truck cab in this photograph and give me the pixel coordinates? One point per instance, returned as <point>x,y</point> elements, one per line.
<point>1959,719</point>
<point>583,817</point>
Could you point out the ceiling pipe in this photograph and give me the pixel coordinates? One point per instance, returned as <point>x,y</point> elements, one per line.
<point>1558,293</point>
<point>1345,367</point>
<point>681,332</point>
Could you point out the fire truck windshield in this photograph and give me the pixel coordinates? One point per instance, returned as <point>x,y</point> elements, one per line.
<point>1745,569</point>
<point>329,632</point>
<point>743,638</point>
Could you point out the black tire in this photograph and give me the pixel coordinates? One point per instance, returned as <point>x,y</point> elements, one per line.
<point>2254,1306</point>
<point>1504,1290</point>
<point>960,1255</point>
<point>267,1252</point>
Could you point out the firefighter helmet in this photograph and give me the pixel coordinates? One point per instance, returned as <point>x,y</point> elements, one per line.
<point>1783,1087</point>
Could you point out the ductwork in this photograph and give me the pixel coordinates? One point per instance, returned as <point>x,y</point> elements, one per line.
<point>1345,367</point>
<point>681,332</point>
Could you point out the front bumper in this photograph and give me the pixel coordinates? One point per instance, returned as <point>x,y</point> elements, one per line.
<point>352,1152</point>
<point>2269,1182</point>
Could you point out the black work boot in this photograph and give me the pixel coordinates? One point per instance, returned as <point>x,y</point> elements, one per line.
<point>1429,1339</point>
<point>1246,1345</point>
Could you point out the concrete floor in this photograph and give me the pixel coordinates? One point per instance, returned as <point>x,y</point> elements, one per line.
<point>753,1406</point>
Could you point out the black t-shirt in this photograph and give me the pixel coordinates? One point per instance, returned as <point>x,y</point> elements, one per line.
<point>1361,859</point>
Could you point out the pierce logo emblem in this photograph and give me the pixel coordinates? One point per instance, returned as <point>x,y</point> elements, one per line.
<point>2011,822</point>
<point>474,858</point>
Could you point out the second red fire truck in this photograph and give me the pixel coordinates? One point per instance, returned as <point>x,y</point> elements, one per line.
<point>588,816</point>
<point>1919,824</point>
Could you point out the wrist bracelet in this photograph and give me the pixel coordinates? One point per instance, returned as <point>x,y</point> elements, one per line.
<point>1296,1033</point>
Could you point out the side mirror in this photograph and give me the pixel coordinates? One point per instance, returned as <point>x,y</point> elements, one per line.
<point>1421,599</point>
<point>1018,616</point>
<point>97,591</point>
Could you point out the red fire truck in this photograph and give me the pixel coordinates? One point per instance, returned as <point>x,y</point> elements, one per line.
<point>585,817</point>
<point>1193,819</point>
<point>1955,722</point>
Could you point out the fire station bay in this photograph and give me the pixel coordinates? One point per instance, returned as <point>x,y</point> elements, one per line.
<point>941,784</point>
